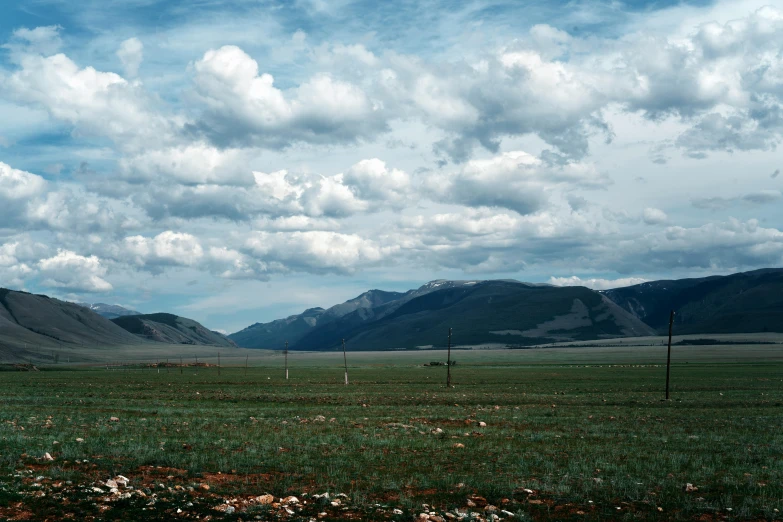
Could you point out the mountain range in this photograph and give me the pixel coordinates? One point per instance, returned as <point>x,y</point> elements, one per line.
<point>37,321</point>
<point>502,312</point>
<point>512,313</point>
<point>29,319</point>
<point>746,302</point>
<point>492,313</point>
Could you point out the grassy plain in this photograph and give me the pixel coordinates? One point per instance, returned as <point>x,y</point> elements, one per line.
<point>571,434</point>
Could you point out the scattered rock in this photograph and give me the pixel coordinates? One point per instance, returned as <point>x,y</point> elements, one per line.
<point>477,501</point>
<point>319,418</point>
<point>265,499</point>
<point>79,439</point>
<point>204,487</point>
<point>114,419</point>
<point>290,500</point>
<point>458,445</point>
<point>482,424</point>
<point>690,488</point>
<point>47,457</point>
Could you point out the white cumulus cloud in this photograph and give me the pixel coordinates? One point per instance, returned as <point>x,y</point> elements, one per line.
<point>131,54</point>
<point>654,216</point>
<point>596,283</point>
<point>74,272</point>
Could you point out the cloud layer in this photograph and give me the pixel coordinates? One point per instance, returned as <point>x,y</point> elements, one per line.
<point>536,154</point>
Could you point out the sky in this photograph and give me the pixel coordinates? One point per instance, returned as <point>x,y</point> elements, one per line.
<point>238,162</point>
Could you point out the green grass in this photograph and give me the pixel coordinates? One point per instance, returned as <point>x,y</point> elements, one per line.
<point>587,439</point>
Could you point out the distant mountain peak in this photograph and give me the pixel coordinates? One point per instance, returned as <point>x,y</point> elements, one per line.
<point>438,284</point>
<point>109,311</point>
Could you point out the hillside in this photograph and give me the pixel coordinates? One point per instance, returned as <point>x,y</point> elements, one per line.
<point>314,324</point>
<point>746,302</point>
<point>273,335</point>
<point>109,311</point>
<point>29,319</point>
<point>502,311</point>
<point>171,329</point>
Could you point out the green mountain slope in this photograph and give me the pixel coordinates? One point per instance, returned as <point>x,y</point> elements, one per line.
<point>171,329</point>
<point>273,335</point>
<point>505,312</point>
<point>746,302</point>
<point>45,321</point>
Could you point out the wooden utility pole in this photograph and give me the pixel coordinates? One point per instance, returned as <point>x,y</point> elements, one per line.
<point>669,353</point>
<point>180,365</point>
<point>345,360</point>
<point>218,363</point>
<point>286,360</point>
<point>448,363</point>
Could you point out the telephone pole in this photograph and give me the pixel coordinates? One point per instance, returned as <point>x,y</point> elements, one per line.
<point>286,360</point>
<point>669,353</point>
<point>448,363</point>
<point>345,361</point>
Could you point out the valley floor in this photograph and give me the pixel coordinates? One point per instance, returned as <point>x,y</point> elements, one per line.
<point>556,434</point>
